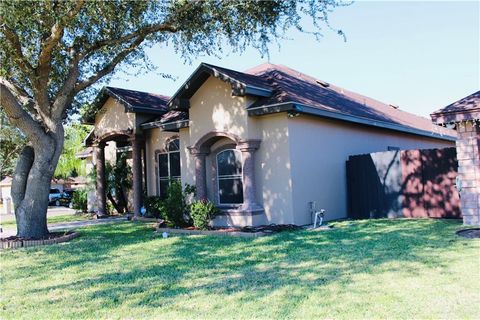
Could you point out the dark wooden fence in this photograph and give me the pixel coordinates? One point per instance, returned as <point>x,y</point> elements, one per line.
<point>407,183</point>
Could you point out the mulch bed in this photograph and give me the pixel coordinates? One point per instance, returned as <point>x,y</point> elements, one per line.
<point>15,242</point>
<point>469,233</point>
<point>247,232</point>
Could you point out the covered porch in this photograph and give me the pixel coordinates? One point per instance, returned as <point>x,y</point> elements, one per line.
<point>117,127</point>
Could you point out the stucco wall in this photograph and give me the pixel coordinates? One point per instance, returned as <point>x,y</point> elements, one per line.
<point>273,169</point>
<point>155,141</point>
<point>213,107</point>
<point>112,117</point>
<point>319,149</point>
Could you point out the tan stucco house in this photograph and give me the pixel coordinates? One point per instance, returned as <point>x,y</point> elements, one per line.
<point>262,144</point>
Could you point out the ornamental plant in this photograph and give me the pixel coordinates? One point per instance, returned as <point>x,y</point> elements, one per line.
<point>202,212</point>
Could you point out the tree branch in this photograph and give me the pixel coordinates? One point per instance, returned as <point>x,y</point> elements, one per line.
<point>143,32</point>
<point>16,114</point>
<point>66,93</point>
<point>110,66</point>
<point>45,59</point>
<point>23,63</point>
<point>56,34</point>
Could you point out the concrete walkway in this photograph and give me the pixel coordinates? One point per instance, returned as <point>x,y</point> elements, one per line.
<point>66,225</point>
<point>51,212</point>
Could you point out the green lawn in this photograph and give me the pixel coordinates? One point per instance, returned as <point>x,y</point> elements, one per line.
<point>53,219</point>
<point>365,269</point>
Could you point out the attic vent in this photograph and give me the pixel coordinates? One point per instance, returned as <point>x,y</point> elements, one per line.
<point>393,106</point>
<point>323,83</point>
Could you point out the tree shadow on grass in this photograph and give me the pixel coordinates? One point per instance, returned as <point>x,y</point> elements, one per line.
<point>304,261</point>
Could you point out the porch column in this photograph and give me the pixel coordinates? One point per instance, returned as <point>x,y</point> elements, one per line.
<point>200,172</point>
<point>100,179</point>
<point>136,143</point>
<point>248,149</point>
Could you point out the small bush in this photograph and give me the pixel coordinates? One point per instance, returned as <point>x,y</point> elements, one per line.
<point>176,203</point>
<point>201,212</point>
<point>79,200</point>
<point>155,207</point>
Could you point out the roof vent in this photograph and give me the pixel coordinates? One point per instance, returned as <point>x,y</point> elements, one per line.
<point>323,83</point>
<point>394,106</point>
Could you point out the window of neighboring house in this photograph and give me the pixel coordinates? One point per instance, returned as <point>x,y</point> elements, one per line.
<point>169,166</point>
<point>229,177</point>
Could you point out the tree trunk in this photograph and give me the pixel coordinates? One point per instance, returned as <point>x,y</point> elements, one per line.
<point>31,185</point>
<point>114,202</point>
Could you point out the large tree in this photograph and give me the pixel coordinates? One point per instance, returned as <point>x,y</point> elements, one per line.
<point>55,53</point>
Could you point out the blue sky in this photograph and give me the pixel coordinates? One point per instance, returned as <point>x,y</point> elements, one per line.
<point>419,55</point>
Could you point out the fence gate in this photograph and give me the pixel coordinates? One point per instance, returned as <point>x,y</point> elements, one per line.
<point>407,183</point>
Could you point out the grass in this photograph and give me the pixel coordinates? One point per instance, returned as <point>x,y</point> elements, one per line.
<point>10,223</point>
<point>364,269</point>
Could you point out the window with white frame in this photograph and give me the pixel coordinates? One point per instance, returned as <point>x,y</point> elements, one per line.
<point>169,166</point>
<point>229,177</point>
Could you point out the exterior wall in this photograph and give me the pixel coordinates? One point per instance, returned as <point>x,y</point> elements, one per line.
<point>112,117</point>
<point>274,169</point>
<point>154,143</point>
<point>213,108</point>
<point>468,149</point>
<point>319,149</point>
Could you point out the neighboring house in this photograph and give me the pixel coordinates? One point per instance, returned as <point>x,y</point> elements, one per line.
<point>261,144</point>
<point>464,116</point>
<point>6,189</point>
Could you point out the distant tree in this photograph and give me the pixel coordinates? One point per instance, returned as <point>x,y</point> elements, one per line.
<point>12,142</point>
<point>68,164</point>
<point>53,54</point>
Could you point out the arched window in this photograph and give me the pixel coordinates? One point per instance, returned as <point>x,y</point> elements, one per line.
<point>169,165</point>
<point>229,177</point>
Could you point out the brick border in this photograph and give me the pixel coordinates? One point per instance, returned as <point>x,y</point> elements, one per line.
<point>37,243</point>
<point>213,233</point>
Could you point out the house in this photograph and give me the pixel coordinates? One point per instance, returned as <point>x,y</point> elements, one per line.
<point>464,116</point>
<point>263,144</point>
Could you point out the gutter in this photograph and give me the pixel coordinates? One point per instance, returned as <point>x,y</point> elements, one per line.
<point>298,108</point>
<point>168,126</point>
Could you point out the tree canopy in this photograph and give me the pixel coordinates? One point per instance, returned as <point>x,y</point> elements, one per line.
<point>55,54</point>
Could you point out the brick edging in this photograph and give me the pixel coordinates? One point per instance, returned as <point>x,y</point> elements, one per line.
<point>37,243</point>
<point>213,233</point>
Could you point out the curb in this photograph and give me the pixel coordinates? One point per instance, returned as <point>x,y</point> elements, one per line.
<point>37,243</point>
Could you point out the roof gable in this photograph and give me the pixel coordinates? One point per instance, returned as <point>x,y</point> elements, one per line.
<point>132,100</point>
<point>242,84</point>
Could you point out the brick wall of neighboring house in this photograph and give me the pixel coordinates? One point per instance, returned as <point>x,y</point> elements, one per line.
<point>468,149</point>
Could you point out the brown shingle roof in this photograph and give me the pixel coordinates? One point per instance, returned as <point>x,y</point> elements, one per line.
<point>292,86</point>
<point>140,99</point>
<point>132,100</point>
<point>467,108</point>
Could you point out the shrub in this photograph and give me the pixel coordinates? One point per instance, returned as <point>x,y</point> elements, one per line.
<point>79,200</point>
<point>201,212</point>
<point>176,203</point>
<point>155,207</point>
